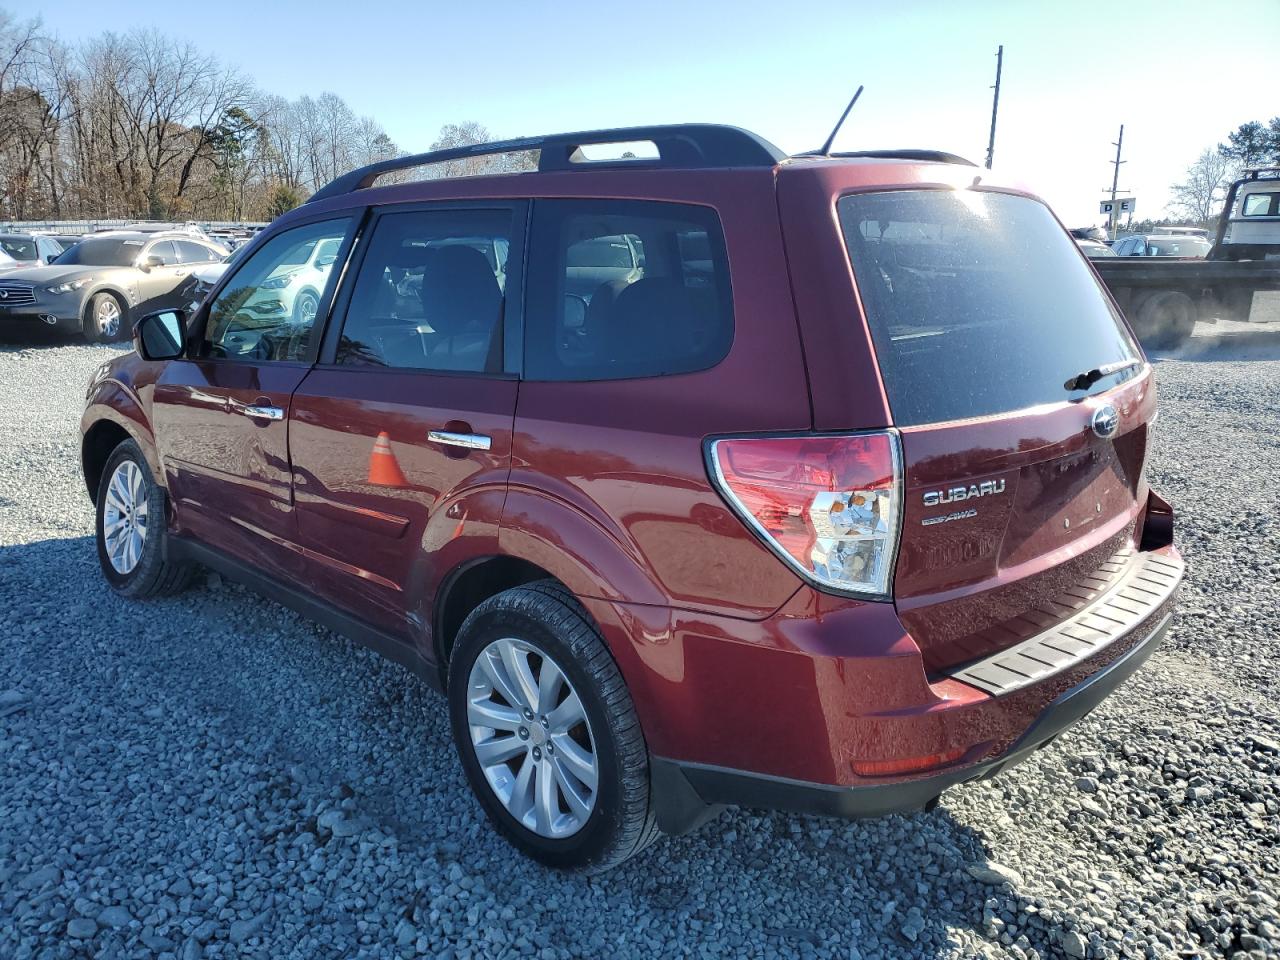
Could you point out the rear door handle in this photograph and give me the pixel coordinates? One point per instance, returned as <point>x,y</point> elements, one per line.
<point>262,413</point>
<point>468,441</point>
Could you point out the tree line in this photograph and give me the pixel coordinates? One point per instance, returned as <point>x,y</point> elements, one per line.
<point>1201,194</point>
<point>138,125</point>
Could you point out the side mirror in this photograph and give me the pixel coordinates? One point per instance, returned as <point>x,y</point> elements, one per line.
<point>323,262</point>
<point>161,335</point>
<point>147,263</point>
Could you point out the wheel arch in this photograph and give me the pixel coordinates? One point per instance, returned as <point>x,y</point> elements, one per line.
<point>112,417</point>
<point>470,584</point>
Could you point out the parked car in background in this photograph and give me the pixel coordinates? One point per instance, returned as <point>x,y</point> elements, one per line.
<point>65,240</point>
<point>1095,250</point>
<point>96,286</point>
<point>8,263</point>
<point>1180,246</point>
<point>291,294</point>
<point>30,249</point>
<point>865,522</point>
<point>1090,233</point>
<point>1185,232</point>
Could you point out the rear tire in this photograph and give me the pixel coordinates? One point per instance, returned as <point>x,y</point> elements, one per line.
<point>131,529</point>
<point>1166,319</point>
<point>106,318</point>
<point>547,625</point>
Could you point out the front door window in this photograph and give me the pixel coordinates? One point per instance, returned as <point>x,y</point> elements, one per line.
<point>268,309</point>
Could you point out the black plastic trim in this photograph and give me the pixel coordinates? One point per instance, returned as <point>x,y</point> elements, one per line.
<point>398,649</point>
<point>1145,583</point>
<point>690,145</point>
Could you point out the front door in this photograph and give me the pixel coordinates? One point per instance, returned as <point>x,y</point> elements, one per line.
<point>401,436</point>
<point>221,416</point>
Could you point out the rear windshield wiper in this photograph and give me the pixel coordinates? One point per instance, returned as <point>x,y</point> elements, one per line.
<point>1083,381</point>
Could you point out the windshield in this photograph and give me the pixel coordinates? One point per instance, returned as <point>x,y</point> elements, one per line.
<point>102,252</point>
<point>978,302</point>
<point>19,248</point>
<point>1177,247</point>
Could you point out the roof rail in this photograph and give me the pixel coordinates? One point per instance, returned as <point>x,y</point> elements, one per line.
<point>689,145</point>
<point>1255,173</point>
<point>926,156</point>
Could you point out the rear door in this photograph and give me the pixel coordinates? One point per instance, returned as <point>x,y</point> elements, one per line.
<point>221,415</point>
<point>1023,471</point>
<point>401,436</point>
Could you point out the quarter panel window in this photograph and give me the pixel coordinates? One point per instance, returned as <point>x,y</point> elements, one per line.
<point>623,288</point>
<point>431,292</point>
<point>267,311</point>
<point>195,252</point>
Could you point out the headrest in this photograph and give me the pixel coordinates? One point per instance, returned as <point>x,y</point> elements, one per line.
<point>459,291</point>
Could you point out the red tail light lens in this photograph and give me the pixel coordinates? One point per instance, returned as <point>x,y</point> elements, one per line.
<point>828,505</point>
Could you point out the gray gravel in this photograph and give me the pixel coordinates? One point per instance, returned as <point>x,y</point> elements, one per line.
<point>212,776</point>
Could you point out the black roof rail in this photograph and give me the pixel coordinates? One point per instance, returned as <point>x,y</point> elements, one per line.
<point>1255,173</point>
<point>689,145</point>
<point>926,156</point>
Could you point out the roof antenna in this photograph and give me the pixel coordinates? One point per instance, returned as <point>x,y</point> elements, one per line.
<point>826,147</point>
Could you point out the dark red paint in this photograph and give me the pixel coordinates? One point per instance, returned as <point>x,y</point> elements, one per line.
<point>730,657</point>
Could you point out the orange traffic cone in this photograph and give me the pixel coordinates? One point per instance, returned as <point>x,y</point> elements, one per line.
<point>384,470</point>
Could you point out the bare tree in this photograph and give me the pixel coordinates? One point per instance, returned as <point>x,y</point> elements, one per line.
<point>1199,196</point>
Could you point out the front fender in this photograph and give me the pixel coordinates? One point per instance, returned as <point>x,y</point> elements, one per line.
<point>114,402</point>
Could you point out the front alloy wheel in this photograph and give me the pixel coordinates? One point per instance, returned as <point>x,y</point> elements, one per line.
<point>131,528</point>
<point>124,517</point>
<point>531,737</point>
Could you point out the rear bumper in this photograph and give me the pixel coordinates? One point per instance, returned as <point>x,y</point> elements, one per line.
<point>688,792</point>
<point>852,726</point>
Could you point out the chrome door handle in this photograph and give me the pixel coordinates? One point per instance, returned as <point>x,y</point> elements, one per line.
<point>262,413</point>
<point>469,441</point>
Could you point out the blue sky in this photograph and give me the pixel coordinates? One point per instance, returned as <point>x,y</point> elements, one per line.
<point>1178,74</point>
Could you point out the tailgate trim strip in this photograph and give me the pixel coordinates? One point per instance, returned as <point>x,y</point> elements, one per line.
<point>1145,586</point>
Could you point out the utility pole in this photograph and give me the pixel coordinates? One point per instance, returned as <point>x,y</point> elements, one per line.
<point>1115,179</point>
<point>995,105</point>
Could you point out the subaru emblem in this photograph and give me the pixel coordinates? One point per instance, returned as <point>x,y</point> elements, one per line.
<point>1105,421</point>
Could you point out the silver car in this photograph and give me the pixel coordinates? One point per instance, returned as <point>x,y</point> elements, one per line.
<point>96,286</point>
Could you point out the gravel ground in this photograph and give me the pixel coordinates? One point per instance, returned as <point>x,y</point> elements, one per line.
<point>213,776</point>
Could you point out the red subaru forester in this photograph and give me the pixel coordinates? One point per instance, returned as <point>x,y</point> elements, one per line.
<point>709,476</point>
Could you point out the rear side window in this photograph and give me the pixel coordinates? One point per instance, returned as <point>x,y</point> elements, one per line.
<point>430,293</point>
<point>623,288</point>
<point>979,302</point>
<point>195,252</point>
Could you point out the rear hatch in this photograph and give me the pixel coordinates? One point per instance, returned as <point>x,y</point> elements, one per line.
<point>1022,404</point>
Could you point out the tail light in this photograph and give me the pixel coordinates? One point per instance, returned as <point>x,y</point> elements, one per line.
<point>829,506</point>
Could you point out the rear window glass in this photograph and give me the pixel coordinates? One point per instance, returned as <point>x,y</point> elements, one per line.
<point>625,288</point>
<point>979,302</point>
<point>1261,204</point>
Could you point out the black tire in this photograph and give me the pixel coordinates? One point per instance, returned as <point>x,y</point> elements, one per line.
<point>97,316</point>
<point>1166,319</point>
<point>154,574</point>
<point>621,823</point>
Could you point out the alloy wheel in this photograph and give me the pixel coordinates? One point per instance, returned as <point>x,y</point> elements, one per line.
<point>124,517</point>
<point>532,739</point>
<point>108,318</point>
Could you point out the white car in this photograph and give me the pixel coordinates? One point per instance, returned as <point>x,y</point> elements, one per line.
<point>292,290</point>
